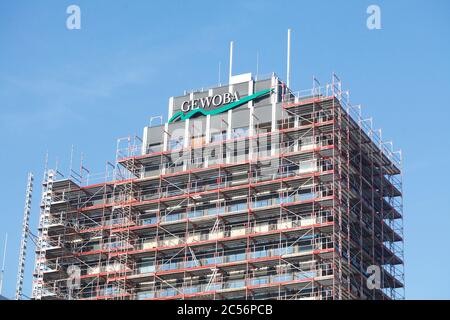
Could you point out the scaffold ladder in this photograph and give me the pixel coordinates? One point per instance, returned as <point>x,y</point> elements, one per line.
<point>24,237</point>
<point>38,281</point>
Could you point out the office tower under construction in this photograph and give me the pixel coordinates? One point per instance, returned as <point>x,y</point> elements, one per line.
<point>248,191</point>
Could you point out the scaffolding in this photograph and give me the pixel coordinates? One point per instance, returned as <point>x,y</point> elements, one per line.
<point>299,208</point>
<point>24,237</point>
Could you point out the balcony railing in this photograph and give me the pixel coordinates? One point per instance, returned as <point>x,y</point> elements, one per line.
<point>221,232</point>
<point>214,283</point>
<point>318,243</point>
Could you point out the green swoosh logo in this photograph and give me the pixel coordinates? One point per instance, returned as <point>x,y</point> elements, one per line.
<point>190,114</point>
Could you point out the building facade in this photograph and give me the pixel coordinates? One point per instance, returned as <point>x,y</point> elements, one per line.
<point>249,191</point>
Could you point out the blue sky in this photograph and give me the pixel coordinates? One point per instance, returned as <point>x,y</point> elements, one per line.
<point>88,87</point>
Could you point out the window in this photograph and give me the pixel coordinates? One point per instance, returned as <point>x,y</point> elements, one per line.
<point>176,143</point>
<point>197,141</point>
<point>154,147</point>
<point>218,136</point>
<point>240,132</point>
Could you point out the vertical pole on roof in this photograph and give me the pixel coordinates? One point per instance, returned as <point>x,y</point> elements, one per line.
<point>219,84</point>
<point>257,65</point>
<point>71,161</point>
<point>288,71</point>
<point>231,61</point>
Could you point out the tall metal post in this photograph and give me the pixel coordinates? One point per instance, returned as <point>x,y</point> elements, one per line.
<point>288,64</point>
<point>24,237</point>
<point>231,62</point>
<point>2,274</point>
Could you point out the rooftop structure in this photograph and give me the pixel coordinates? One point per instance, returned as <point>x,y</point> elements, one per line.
<point>249,191</point>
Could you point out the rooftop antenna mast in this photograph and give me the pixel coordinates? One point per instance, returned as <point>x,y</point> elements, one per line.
<point>219,83</point>
<point>231,61</point>
<point>2,274</point>
<point>24,237</point>
<point>257,65</point>
<point>288,72</point>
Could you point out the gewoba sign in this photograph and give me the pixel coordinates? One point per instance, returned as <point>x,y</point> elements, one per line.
<point>214,104</point>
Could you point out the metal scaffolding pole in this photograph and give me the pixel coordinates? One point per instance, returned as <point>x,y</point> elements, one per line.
<point>2,274</point>
<point>24,237</point>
